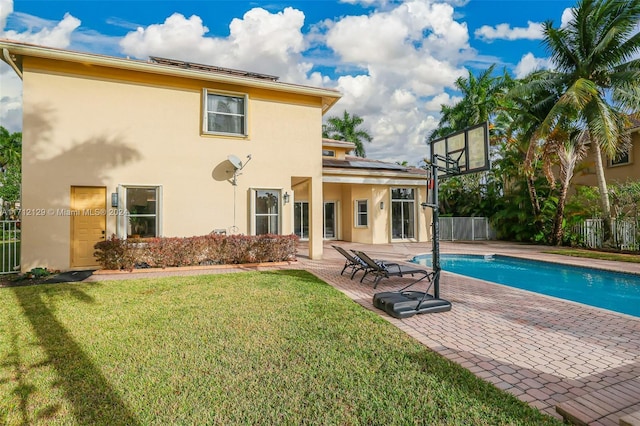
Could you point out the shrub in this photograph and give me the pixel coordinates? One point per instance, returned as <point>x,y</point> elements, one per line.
<point>117,253</point>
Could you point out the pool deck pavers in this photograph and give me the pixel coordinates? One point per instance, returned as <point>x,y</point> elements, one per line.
<point>544,350</point>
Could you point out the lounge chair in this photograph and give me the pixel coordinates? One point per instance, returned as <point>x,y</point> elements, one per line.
<point>352,262</point>
<point>385,270</point>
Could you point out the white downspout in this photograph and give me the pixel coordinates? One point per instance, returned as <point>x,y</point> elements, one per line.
<point>7,59</point>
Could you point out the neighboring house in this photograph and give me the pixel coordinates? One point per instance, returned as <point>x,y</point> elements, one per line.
<point>114,146</point>
<point>626,167</point>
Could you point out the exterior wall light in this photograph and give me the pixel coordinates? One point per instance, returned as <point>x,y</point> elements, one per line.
<point>114,199</point>
<point>381,205</point>
<point>285,197</point>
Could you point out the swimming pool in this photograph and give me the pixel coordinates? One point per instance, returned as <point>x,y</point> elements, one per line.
<point>619,292</point>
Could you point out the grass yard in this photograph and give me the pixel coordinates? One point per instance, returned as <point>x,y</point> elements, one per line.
<point>593,254</point>
<point>277,347</point>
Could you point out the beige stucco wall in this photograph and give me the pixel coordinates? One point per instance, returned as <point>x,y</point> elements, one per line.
<point>87,126</point>
<point>586,175</point>
<point>378,230</point>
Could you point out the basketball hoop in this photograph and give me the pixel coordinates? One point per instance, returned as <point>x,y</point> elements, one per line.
<point>459,153</point>
<point>462,152</point>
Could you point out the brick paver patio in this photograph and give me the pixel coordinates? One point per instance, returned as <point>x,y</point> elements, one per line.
<point>541,349</point>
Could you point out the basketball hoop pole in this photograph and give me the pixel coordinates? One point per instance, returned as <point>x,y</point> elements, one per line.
<point>433,184</point>
<point>435,238</point>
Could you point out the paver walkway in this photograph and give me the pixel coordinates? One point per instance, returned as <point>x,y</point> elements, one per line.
<point>541,349</point>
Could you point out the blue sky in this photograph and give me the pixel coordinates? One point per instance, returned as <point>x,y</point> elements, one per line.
<point>394,61</point>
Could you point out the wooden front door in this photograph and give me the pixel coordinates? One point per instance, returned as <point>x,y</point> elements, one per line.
<point>88,223</point>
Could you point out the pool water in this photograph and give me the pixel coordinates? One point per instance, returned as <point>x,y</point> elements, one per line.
<point>616,291</point>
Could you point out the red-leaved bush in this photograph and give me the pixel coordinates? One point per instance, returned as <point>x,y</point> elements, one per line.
<point>118,253</point>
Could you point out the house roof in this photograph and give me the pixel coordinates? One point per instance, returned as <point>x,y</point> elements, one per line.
<point>338,144</point>
<point>13,52</point>
<point>634,123</point>
<point>367,165</point>
<point>211,68</point>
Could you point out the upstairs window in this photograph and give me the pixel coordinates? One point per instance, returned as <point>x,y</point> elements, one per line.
<point>328,153</point>
<point>225,114</point>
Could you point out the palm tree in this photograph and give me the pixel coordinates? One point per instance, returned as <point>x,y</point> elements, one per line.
<point>564,148</point>
<point>346,129</point>
<point>597,76</point>
<point>10,148</point>
<point>527,104</point>
<point>480,99</point>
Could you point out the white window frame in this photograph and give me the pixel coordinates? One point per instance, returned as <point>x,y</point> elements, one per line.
<point>337,223</point>
<point>359,215</point>
<point>205,112</point>
<point>302,204</point>
<point>414,204</point>
<point>122,215</point>
<point>253,192</point>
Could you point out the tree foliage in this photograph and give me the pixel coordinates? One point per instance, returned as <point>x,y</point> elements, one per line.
<point>480,99</point>
<point>541,125</point>
<point>597,74</point>
<point>346,128</point>
<point>10,167</point>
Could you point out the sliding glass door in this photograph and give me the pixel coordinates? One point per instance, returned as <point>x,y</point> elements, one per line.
<point>403,213</point>
<point>301,219</point>
<point>330,220</point>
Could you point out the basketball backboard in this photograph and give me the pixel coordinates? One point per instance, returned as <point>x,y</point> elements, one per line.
<point>462,152</point>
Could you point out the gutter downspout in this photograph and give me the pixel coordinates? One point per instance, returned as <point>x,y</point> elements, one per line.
<point>7,58</point>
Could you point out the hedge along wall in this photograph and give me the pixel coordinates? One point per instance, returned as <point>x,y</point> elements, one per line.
<point>117,253</point>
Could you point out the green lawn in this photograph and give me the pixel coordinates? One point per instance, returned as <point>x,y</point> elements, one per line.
<point>251,348</point>
<point>592,254</point>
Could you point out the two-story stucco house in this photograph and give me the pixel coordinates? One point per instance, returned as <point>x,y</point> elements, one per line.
<point>170,148</point>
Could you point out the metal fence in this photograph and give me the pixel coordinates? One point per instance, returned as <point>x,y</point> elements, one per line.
<point>10,249</point>
<point>624,234</point>
<point>465,229</point>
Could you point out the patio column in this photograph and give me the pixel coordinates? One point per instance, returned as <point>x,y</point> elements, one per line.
<point>316,209</point>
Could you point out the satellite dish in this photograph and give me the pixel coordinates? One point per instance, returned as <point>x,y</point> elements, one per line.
<point>235,161</point>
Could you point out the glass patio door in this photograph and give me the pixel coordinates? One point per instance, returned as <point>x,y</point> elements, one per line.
<point>330,221</point>
<point>402,213</point>
<point>301,219</point>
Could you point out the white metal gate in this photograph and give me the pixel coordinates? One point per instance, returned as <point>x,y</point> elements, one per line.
<point>624,233</point>
<point>10,248</point>
<point>464,229</point>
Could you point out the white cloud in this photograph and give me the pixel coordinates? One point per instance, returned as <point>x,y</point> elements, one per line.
<point>10,99</point>
<point>6,7</point>
<point>567,16</point>
<point>45,33</point>
<point>392,36</point>
<point>529,63</point>
<point>533,31</point>
<point>434,104</point>
<point>261,41</point>
<point>36,31</point>
<point>406,56</point>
